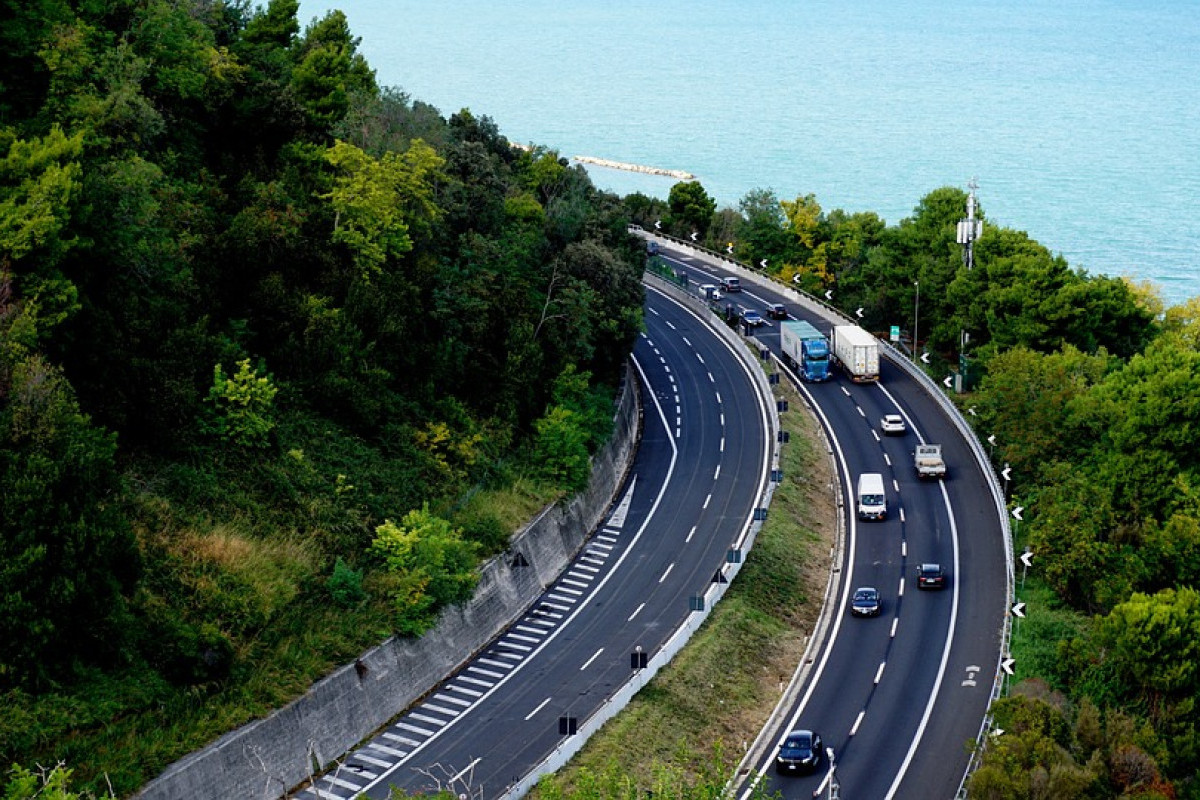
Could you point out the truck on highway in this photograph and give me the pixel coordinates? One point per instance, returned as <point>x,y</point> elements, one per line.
<point>927,459</point>
<point>856,352</point>
<point>805,349</point>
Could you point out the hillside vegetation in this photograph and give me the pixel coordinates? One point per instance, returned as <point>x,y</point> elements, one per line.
<point>283,355</point>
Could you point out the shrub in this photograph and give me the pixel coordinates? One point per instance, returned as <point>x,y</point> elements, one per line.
<point>345,585</point>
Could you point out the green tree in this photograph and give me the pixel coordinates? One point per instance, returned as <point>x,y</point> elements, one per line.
<point>1026,398</point>
<point>241,406</point>
<point>66,552</point>
<point>431,565</point>
<point>691,209</point>
<point>761,234</point>
<point>330,70</point>
<point>379,204</point>
<point>1153,641</point>
<point>561,448</point>
<point>39,180</point>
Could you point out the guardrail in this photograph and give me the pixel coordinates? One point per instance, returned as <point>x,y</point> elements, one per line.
<point>833,314</point>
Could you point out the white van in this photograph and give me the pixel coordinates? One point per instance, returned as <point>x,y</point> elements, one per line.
<point>872,502</point>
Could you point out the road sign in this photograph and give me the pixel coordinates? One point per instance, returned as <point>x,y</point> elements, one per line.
<point>895,333</point>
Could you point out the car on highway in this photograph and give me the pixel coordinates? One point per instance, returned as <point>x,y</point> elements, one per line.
<point>931,576</point>
<point>777,311</point>
<point>730,284</point>
<point>799,752</point>
<point>893,425</point>
<point>865,602</point>
<point>750,317</point>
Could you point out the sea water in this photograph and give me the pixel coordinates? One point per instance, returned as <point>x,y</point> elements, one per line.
<point>1078,119</point>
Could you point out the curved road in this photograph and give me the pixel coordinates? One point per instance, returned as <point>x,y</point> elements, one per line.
<point>897,697</point>
<point>702,466</point>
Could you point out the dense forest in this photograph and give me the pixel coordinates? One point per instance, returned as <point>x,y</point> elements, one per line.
<point>283,355</point>
<point>1091,389</point>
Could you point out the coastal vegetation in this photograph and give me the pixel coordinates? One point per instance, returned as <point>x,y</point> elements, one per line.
<point>1089,386</point>
<point>283,355</point>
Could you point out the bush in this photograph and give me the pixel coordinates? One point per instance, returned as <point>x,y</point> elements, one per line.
<point>345,585</point>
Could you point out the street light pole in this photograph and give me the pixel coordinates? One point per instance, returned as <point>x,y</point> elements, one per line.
<point>916,317</point>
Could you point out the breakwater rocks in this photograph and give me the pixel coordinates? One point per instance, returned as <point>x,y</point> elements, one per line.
<point>604,162</point>
<point>678,174</point>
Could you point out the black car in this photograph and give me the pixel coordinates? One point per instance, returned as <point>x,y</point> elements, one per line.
<point>750,317</point>
<point>800,752</point>
<point>865,602</point>
<point>931,576</point>
<point>777,311</point>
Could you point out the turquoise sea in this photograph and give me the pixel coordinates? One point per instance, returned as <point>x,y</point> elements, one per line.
<point>1079,119</point>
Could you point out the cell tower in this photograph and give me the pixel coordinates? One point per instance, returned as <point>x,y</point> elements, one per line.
<point>970,229</point>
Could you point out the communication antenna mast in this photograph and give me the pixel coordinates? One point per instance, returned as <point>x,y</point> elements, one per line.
<point>970,229</point>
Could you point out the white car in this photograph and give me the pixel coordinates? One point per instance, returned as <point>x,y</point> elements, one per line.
<point>893,425</point>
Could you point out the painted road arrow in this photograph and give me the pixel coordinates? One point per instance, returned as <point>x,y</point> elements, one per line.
<point>1016,512</point>
<point>925,358</point>
<point>1006,472</point>
<point>1019,610</point>
<point>1027,558</point>
<point>1007,665</point>
<point>947,382</point>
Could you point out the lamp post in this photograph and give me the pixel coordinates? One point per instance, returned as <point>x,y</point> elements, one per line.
<point>916,317</point>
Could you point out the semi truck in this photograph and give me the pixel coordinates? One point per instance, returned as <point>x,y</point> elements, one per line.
<point>856,352</point>
<point>805,349</point>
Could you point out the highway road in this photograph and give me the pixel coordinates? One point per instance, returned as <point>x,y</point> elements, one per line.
<point>898,697</point>
<point>701,468</point>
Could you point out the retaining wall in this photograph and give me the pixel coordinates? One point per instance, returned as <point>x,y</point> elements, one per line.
<point>267,757</point>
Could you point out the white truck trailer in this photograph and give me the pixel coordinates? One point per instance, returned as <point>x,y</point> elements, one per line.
<point>856,352</point>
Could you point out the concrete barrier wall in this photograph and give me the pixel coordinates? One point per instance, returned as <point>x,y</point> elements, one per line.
<point>267,757</point>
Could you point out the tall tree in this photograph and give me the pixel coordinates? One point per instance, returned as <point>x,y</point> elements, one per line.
<point>691,209</point>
